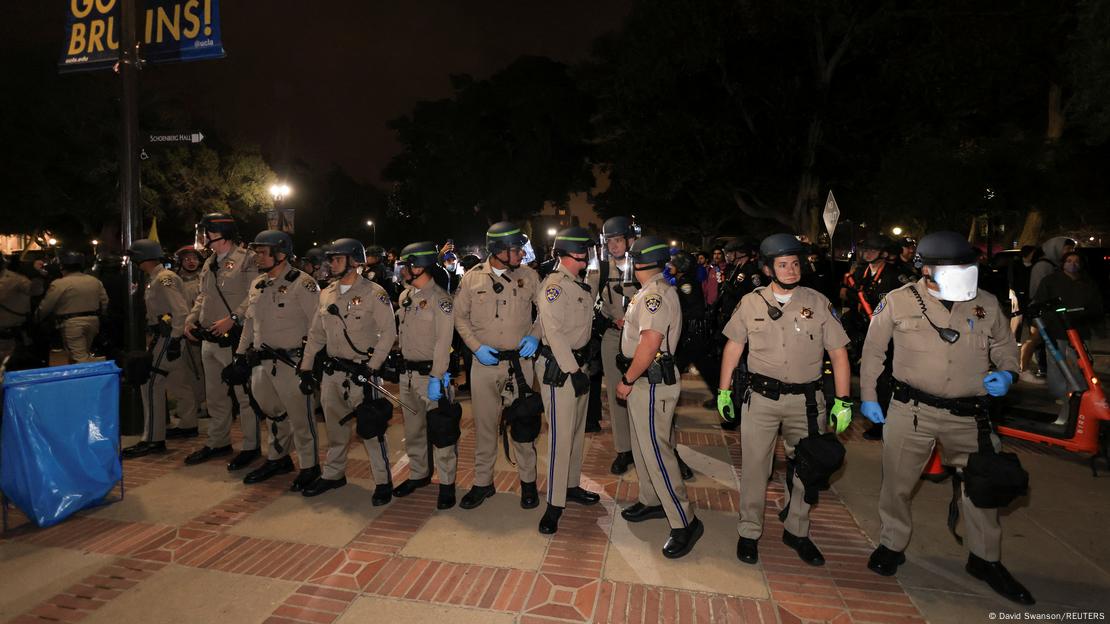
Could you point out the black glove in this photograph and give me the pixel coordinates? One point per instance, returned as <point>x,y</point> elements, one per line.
<point>173,350</point>
<point>581,383</point>
<point>308,383</point>
<point>238,372</point>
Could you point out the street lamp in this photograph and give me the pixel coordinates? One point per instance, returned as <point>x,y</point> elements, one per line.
<point>280,191</point>
<point>552,232</point>
<point>674,243</point>
<point>373,232</point>
<point>51,241</point>
<point>897,231</point>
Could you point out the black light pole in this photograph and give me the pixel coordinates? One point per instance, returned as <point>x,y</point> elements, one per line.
<point>131,221</point>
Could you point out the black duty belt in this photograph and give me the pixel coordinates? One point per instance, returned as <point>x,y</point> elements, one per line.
<point>962,406</point>
<point>581,356</point>
<point>280,354</point>
<point>772,388</point>
<point>660,371</point>
<point>358,371</point>
<point>505,355</point>
<point>420,367</point>
<point>66,317</point>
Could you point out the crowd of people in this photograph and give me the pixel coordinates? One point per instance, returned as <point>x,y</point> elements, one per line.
<point>246,331</point>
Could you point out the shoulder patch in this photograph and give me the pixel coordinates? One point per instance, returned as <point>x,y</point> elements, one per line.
<point>835,312</point>
<point>445,305</point>
<point>384,298</point>
<point>878,308</point>
<point>310,285</point>
<point>686,289</point>
<point>652,303</point>
<point>552,293</point>
<point>166,281</point>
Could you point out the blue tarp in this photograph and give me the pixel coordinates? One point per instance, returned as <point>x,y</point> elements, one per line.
<point>59,451</point>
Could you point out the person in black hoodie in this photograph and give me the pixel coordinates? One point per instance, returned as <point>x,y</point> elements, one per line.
<point>1075,290</point>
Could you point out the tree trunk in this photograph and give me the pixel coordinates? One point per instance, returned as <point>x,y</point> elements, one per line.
<point>1055,113</point>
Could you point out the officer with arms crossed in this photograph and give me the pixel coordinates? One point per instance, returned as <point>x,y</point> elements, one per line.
<point>355,323</point>
<point>186,381</point>
<point>649,384</point>
<point>426,328</point>
<point>946,336</point>
<point>76,301</point>
<point>493,315</point>
<point>165,320</point>
<point>216,318</point>
<point>566,313</point>
<point>618,234</point>
<point>787,328</point>
<point>280,307</point>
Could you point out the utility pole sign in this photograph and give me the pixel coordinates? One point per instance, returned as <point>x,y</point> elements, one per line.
<point>831,215</point>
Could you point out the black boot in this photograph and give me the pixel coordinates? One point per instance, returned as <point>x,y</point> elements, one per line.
<point>206,453</point>
<point>998,577</point>
<point>305,478</point>
<point>383,493</point>
<point>681,541</point>
<point>806,549</point>
<point>477,495</point>
<point>549,523</point>
<point>321,485</point>
<point>622,462</point>
<point>747,550</point>
<point>271,468</point>
<point>581,496</point>
<point>529,497</point>
<point>243,459</point>
<point>175,433</point>
<point>446,498</point>
<point>683,469</point>
<point>142,449</point>
<point>639,512</point>
<point>885,561</point>
<point>409,486</point>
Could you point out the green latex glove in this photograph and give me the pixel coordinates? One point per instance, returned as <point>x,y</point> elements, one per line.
<point>724,405</point>
<point>840,416</point>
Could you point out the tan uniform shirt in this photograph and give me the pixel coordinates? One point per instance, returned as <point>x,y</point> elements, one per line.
<point>427,326</point>
<point>164,296</point>
<point>279,310</point>
<point>566,312</point>
<point>922,359</point>
<point>73,294</point>
<point>792,348</point>
<point>233,279</point>
<point>654,307</point>
<point>370,324</point>
<point>190,283</point>
<point>486,317</point>
<point>15,299</point>
<point>612,302</point>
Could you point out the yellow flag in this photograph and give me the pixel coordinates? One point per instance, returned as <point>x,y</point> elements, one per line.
<point>154,230</point>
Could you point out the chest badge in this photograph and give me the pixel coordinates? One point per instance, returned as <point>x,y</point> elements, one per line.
<point>354,302</point>
<point>423,304</point>
<point>282,290</point>
<point>807,313</point>
<point>520,282</point>
<point>980,313</point>
<point>229,265</point>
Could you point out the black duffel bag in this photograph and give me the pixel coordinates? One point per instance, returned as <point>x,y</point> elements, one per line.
<point>816,459</point>
<point>523,418</point>
<point>371,418</point>
<point>443,423</point>
<point>993,479</point>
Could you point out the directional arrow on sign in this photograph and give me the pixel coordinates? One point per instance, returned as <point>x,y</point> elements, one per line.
<point>181,137</point>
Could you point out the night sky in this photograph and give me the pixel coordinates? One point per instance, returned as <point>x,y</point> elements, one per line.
<point>319,85</point>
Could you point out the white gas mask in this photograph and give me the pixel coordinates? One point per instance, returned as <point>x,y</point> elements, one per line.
<point>956,282</point>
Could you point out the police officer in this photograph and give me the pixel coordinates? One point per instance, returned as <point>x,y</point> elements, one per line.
<point>355,323</point>
<point>165,321</point>
<point>493,315</point>
<point>216,318</point>
<point>75,301</point>
<point>280,307</point>
<point>788,328</point>
<point>566,312</point>
<point>946,335</point>
<point>426,328</point>
<point>616,289</point>
<point>377,271</point>
<point>15,309</point>
<point>186,381</point>
<point>905,249</point>
<point>649,383</point>
<point>315,264</point>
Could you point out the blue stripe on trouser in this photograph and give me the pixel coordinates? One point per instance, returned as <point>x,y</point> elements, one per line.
<point>551,458</point>
<point>312,430</point>
<point>659,458</point>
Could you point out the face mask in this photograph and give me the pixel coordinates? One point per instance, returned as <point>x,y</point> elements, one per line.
<point>957,283</point>
<point>1071,268</point>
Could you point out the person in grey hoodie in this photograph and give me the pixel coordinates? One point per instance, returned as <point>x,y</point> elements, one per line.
<point>1054,249</point>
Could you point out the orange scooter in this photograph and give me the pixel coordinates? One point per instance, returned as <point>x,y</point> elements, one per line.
<point>1077,430</point>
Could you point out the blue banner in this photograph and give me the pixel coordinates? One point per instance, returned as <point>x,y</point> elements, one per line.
<point>171,31</point>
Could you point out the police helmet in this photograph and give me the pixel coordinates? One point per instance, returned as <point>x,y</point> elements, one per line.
<point>315,255</point>
<point>875,241</point>
<point>421,254</point>
<point>682,262</point>
<point>572,240</point>
<point>650,250</point>
<point>777,245</point>
<point>219,223</point>
<point>618,226</point>
<point>72,260</point>
<point>347,247</point>
<point>276,240</point>
<point>187,249</point>
<point>907,241</point>
<point>504,235</point>
<point>375,251</point>
<point>145,249</point>
<point>944,248</point>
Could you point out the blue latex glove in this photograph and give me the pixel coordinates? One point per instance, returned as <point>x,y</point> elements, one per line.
<point>435,389</point>
<point>998,383</point>
<point>486,355</point>
<point>872,411</point>
<point>528,346</point>
<point>446,380</point>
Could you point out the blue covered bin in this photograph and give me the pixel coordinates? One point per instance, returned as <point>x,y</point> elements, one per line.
<point>59,451</point>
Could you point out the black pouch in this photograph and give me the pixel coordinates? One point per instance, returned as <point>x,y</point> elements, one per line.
<point>523,418</point>
<point>654,373</point>
<point>581,383</point>
<point>553,375</point>
<point>392,367</point>
<point>443,423</point>
<point>817,456</point>
<point>372,418</point>
<point>993,479</point>
<point>623,363</point>
<point>667,368</point>
<point>137,366</point>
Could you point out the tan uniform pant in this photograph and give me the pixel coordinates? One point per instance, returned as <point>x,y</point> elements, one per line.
<point>154,392</point>
<point>908,440</point>
<point>277,391</point>
<point>758,432</point>
<point>566,421</point>
<point>651,414</point>
<point>618,414</point>
<point>77,336</point>
<point>340,397</point>
<point>186,385</point>
<point>414,393</point>
<point>487,390</point>
<point>215,358</point>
